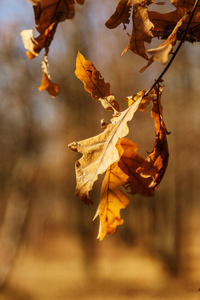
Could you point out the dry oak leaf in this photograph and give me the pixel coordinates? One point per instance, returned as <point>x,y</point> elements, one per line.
<point>95,84</point>
<point>156,163</point>
<point>161,54</point>
<point>112,200</point>
<point>99,152</point>
<point>184,7</point>
<point>165,23</point>
<point>121,15</point>
<point>142,29</point>
<point>48,12</point>
<point>129,162</point>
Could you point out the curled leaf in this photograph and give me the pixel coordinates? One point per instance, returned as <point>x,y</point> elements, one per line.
<point>29,43</point>
<point>156,163</point>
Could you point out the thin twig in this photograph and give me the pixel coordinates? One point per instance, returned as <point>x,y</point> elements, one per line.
<point>177,49</point>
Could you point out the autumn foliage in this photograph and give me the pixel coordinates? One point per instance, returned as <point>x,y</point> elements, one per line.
<point>110,152</point>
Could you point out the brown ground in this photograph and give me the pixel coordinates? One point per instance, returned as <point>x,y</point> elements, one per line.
<point>59,271</point>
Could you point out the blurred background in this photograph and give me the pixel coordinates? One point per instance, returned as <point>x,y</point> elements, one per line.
<point>48,246</point>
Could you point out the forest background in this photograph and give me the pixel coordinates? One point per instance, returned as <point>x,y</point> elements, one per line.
<point>48,246</point>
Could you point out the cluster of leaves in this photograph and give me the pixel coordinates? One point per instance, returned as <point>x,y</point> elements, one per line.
<point>48,14</point>
<point>109,151</point>
<point>149,24</point>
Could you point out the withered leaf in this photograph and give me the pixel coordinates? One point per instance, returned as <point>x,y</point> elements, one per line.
<point>99,152</point>
<point>129,162</point>
<point>80,1</point>
<point>112,200</point>
<point>156,163</point>
<point>94,83</point>
<point>48,12</point>
<point>121,15</point>
<point>184,7</point>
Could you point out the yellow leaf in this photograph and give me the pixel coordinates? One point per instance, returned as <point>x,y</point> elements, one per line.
<point>112,200</point>
<point>99,152</point>
<point>94,83</point>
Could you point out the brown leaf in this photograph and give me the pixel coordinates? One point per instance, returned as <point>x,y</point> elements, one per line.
<point>81,2</point>
<point>142,29</point>
<point>35,45</point>
<point>165,23</point>
<point>112,200</point>
<point>48,13</point>
<point>94,83</point>
<point>121,15</point>
<point>183,7</point>
<point>130,161</point>
<point>99,152</point>
<point>156,163</point>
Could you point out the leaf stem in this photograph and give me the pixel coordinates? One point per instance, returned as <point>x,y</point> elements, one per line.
<point>177,49</point>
